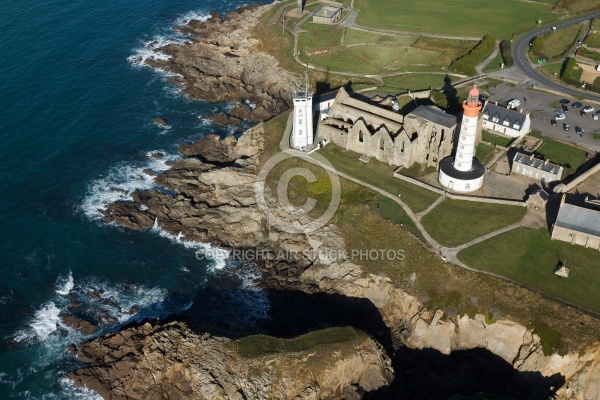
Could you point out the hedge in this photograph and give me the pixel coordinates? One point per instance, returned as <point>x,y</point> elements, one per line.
<point>466,64</point>
<point>506,52</point>
<point>567,68</point>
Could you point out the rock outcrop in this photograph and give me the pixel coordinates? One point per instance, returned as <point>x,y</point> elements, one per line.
<point>222,64</point>
<point>171,361</point>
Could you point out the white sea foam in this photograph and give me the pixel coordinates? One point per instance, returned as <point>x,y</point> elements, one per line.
<point>45,321</point>
<point>192,16</point>
<point>120,182</point>
<point>65,285</point>
<point>77,393</point>
<point>203,250</point>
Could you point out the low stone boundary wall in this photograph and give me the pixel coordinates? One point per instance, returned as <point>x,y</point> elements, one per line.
<point>453,196</point>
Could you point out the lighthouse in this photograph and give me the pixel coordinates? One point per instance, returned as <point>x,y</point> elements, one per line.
<point>463,172</point>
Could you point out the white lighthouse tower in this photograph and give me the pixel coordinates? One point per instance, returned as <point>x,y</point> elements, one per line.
<point>302,131</point>
<point>464,173</point>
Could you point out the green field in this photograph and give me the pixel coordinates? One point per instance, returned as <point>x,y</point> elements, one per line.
<point>416,81</point>
<point>481,218</point>
<point>379,174</point>
<point>349,50</point>
<point>484,153</point>
<point>570,157</point>
<point>529,256</point>
<point>457,17</point>
<point>496,139</point>
<point>261,345</point>
<point>557,44</point>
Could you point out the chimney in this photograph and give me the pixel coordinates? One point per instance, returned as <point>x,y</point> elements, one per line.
<point>563,198</point>
<point>521,110</point>
<point>531,156</point>
<point>496,102</point>
<point>546,162</point>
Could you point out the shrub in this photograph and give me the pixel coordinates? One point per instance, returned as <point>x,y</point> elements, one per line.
<point>466,64</point>
<point>594,55</point>
<point>567,68</point>
<point>506,52</point>
<point>537,45</point>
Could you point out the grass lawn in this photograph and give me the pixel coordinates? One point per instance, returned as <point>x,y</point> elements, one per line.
<point>556,44</point>
<point>596,136</point>
<point>260,345</point>
<point>552,70</point>
<point>495,64</point>
<point>353,36</point>
<point>342,59</point>
<point>484,153</point>
<point>417,81</point>
<point>379,174</point>
<point>318,36</point>
<point>417,171</point>
<point>481,218</point>
<point>570,157</point>
<point>529,256</point>
<point>457,17</point>
<point>496,139</point>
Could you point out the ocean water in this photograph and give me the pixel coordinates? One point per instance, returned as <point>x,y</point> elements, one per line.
<point>76,131</point>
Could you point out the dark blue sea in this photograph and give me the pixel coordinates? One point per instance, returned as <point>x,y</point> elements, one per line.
<point>76,130</point>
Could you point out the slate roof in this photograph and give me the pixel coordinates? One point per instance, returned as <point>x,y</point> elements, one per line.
<point>536,163</point>
<point>491,110</point>
<point>579,219</point>
<point>434,115</point>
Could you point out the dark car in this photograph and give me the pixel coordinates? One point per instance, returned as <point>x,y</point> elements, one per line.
<point>565,108</point>
<point>566,126</point>
<point>579,131</point>
<point>565,101</point>
<point>577,105</point>
<point>582,113</point>
<point>553,122</point>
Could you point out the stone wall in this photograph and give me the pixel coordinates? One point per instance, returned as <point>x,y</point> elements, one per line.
<point>575,237</point>
<point>453,196</point>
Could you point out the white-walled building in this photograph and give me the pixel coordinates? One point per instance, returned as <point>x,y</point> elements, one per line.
<point>302,131</point>
<point>535,168</point>
<point>507,122</point>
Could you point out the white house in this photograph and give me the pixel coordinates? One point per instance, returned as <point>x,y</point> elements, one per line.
<point>504,121</point>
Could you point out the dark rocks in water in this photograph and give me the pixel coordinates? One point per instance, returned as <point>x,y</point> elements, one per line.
<point>224,119</point>
<point>80,324</point>
<point>118,190</point>
<point>150,172</point>
<point>157,155</point>
<point>160,121</point>
<point>133,310</point>
<point>96,294</point>
<point>74,304</point>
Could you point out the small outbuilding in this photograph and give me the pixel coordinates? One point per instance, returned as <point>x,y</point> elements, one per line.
<point>327,14</point>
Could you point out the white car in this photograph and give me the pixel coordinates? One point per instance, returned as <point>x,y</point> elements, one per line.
<point>560,116</point>
<point>588,109</point>
<point>514,103</point>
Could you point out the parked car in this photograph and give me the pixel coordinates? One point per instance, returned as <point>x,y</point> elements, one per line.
<point>595,116</point>
<point>578,131</point>
<point>514,103</point>
<point>588,109</point>
<point>582,113</point>
<point>566,126</point>
<point>565,101</point>
<point>553,122</point>
<point>560,116</point>
<point>577,105</point>
<point>565,108</point>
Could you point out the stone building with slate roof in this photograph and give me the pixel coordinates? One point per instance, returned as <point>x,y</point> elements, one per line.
<point>504,121</point>
<point>424,136</point>
<point>535,168</point>
<point>577,225</point>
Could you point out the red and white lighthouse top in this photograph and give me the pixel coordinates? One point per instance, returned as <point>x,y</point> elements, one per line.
<point>472,105</point>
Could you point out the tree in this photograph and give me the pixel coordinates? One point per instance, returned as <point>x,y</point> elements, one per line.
<point>537,45</point>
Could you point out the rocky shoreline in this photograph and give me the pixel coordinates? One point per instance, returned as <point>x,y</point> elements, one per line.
<point>221,63</point>
<point>209,196</point>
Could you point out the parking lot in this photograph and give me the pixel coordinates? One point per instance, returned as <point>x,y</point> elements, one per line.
<point>542,107</point>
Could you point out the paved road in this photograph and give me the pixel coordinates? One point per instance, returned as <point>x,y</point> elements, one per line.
<point>521,47</point>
